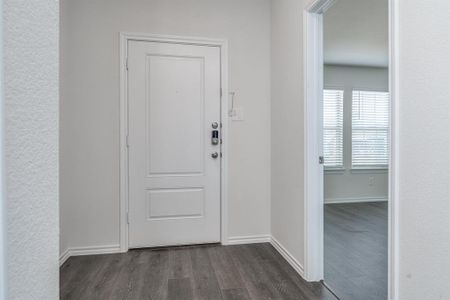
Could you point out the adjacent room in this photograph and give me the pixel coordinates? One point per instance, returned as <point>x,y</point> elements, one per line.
<point>356,146</point>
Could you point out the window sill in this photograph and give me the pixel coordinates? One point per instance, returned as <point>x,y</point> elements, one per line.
<point>334,170</point>
<point>370,170</point>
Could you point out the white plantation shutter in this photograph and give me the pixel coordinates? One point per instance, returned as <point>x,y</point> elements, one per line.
<point>333,128</point>
<point>370,128</point>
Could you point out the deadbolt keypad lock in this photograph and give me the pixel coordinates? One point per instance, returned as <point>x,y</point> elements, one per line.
<point>215,137</point>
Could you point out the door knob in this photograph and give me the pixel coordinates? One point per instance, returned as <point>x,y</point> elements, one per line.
<point>214,155</point>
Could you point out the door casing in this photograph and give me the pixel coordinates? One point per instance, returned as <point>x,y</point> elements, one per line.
<point>224,107</point>
<point>313,176</point>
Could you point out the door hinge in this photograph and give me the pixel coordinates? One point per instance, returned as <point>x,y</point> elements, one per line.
<point>321,160</point>
<point>221,92</point>
<point>126,63</point>
<point>127,141</point>
<point>128,218</point>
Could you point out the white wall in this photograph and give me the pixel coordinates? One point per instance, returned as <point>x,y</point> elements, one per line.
<point>354,185</point>
<point>424,143</point>
<point>90,106</point>
<point>30,45</point>
<point>287,126</point>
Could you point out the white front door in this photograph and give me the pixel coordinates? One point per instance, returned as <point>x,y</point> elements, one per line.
<point>174,174</point>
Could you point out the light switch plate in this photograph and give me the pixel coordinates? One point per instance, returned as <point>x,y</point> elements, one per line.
<point>238,114</point>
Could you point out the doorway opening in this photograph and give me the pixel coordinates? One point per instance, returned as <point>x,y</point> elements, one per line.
<point>350,150</point>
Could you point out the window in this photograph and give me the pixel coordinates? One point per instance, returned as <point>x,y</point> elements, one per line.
<point>333,129</point>
<point>370,129</point>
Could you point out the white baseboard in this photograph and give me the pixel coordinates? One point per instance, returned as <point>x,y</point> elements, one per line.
<point>355,200</point>
<point>104,249</point>
<point>94,250</point>
<point>249,239</point>
<point>288,257</point>
<point>64,256</point>
<point>266,238</point>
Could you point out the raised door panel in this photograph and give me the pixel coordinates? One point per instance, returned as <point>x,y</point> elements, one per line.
<point>175,115</point>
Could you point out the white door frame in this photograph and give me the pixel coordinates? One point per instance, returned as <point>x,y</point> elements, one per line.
<point>223,45</point>
<point>313,82</point>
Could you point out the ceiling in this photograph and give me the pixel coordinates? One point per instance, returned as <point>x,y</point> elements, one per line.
<point>356,33</point>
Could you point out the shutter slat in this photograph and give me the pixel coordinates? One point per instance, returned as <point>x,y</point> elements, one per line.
<point>333,128</point>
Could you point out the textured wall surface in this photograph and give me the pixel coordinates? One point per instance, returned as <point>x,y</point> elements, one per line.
<point>424,143</point>
<point>3,221</point>
<point>31,147</point>
<point>90,106</point>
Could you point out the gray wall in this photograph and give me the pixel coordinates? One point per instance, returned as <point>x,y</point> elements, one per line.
<point>30,45</point>
<point>355,185</point>
<point>90,107</point>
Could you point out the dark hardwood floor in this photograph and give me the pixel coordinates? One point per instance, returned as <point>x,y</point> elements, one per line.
<point>356,250</point>
<point>211,272</point>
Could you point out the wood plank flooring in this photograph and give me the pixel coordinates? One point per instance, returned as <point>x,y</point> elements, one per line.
<point>356,250</point>
<point>210,272</point>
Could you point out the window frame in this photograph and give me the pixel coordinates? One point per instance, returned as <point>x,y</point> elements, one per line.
<point>380,168</point>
